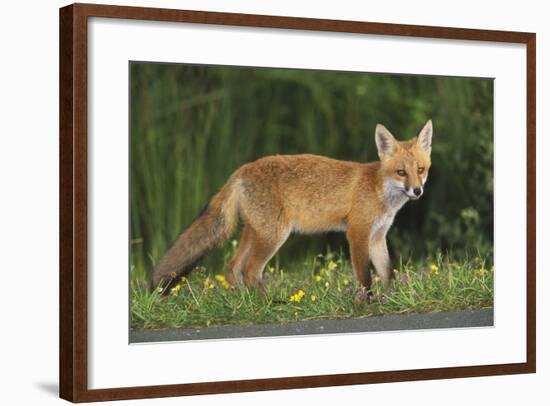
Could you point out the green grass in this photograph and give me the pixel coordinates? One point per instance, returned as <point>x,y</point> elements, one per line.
<point>326,281</point>
<point>193,125</point>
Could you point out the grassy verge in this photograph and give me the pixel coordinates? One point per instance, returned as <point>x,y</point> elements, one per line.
<point>322,288</point>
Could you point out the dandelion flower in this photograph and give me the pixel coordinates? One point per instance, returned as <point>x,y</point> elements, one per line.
<point>332,266</point>
<point>313,298</point>
<point>482,271</point>
<point>220,278</point>
<point>317,278</point>
<point>434,268</point>
<point>346,282</point>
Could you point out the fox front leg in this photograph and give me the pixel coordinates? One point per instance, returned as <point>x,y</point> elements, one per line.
<point>378,251</point>
<point>359,253</point>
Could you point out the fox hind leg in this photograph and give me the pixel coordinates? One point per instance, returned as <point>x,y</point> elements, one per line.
<point>238,262</point>
<point>262,249</point>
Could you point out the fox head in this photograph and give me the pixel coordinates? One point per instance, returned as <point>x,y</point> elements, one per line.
<point>405,164</point>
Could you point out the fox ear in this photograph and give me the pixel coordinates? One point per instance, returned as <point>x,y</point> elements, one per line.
<point>385,142</point>
<point>424,139</point>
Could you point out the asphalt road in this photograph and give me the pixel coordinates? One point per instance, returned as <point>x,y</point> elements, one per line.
<point>476,318</point>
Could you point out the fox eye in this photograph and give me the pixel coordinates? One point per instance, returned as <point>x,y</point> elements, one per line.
<point>401,172</point>
<point>421,170</point>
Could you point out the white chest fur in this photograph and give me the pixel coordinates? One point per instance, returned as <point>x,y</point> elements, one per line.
<point>393,199</point>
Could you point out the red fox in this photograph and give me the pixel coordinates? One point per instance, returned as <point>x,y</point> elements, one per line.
<point>278,195</point>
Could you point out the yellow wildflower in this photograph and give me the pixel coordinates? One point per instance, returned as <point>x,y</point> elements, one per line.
<point>297,297</point>
<point>346,282</point>
<point>327,284</point>
<point>376,279</point>
<point>332,266</point>
<point>313,298</point>
<point>271,269</point>
<point>211,286</point>
<point>482,271</point>
<point>317,278</point>
<point>175,290</point>
<point>221,279</point>
<point>434,268</point>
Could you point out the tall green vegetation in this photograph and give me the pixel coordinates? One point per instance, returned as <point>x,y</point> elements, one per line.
<point>192,126</point>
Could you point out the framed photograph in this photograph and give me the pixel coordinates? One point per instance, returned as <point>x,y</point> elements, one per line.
<point>256,202</point>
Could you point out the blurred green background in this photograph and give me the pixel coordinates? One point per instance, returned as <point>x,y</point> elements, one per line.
<point>193,125</point>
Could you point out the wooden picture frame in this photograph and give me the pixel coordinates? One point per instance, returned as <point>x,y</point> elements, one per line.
<point>74,201</point>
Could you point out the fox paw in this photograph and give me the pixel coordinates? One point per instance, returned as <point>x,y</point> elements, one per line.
<point>362,296</point>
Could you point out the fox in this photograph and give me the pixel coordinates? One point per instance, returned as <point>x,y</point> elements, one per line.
<point>278,195</point>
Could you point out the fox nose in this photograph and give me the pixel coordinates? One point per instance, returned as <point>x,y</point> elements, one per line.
<point>417,191</point>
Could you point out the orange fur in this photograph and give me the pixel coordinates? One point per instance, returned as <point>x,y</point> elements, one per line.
<point>277,195</point>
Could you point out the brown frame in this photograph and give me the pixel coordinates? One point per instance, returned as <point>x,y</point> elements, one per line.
<point>73,201</point>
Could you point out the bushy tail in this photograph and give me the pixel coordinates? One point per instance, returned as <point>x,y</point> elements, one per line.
<point>210,229</point>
